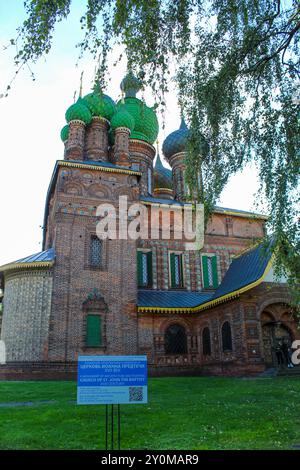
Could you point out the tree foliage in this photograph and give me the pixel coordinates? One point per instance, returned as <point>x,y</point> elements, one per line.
<point>236,66</point>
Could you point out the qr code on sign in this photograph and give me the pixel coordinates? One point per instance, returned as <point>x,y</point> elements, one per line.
<point>135,393</point>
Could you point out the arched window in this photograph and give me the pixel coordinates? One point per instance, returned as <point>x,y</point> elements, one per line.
<point>175,340</point>
<point>226,337</point>
<point>206,342</point>
<point>95,251</point>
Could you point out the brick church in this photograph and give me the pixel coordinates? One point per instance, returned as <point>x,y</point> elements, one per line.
<point>217,310</point>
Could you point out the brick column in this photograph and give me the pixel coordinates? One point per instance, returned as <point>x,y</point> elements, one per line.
<point>65,149</point>
<point>165,264</point>
<point>121,148</point>
<point>178,180</point>
<point>97,140</point>
<point>142,154</point>
<point>187,271</point>
<point>178,170</point>
<point>229,226</point>
<point>75,142</point>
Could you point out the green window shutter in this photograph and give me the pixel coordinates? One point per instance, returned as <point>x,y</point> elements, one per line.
<point>93,330</point>
<point>181,270</point>
<point>214,271</point>
<point>172,266</point>
<point>140,268</point>
<point>149,267</point>
<point>205,272</point>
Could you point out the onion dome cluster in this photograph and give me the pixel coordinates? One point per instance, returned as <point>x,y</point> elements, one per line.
<point>145,119</point>
<point>129,112</point>
<point>95,104</point>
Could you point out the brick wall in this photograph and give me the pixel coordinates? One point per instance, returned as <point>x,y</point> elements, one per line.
<point>75,221</point>
<point>243,314</point>
<point>27,303</point>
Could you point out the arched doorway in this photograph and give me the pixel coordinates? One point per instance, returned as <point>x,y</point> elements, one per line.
<point>277,339</point>
<point>175,340</point>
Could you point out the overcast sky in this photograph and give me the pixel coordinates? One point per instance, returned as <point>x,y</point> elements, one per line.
<point>30,122</point>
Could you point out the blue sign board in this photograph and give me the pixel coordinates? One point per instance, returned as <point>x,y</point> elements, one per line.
<point>110,380</point>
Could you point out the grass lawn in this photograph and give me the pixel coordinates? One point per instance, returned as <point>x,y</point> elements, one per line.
<point>182,413</point>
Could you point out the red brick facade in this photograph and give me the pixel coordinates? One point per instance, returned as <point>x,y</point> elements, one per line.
<point>246,316</point>
<point>110,290</point>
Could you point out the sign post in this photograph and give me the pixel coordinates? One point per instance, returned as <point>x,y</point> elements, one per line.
<point>112,380</point>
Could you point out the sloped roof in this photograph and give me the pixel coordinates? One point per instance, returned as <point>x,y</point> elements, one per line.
<point>157,200</point>
<point>47,255</point>
<point>171,299</point>
<point>217,209</point>
<point>239,212</point>
<point>244,270</point>
<point>101,164</point>
<point>244,273</point>
<point>43,258</point>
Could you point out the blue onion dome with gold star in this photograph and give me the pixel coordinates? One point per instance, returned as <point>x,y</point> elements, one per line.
<point>176,141</point>
<point>79,112</point>
<point>64,133</point>
<point>146,124</point>
<point>162,175</point>
<point>99,104</point>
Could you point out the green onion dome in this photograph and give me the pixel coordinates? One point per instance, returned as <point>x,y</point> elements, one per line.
<point>122,118</point>
<point>146,124</point>
<point>64,133</point>
<point>79,111</point>
<point>100,105</point>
